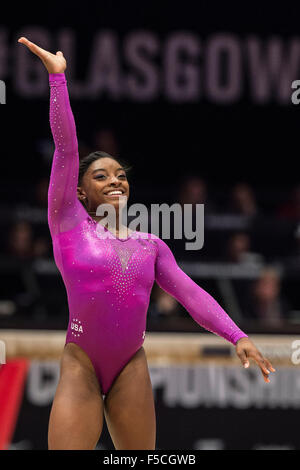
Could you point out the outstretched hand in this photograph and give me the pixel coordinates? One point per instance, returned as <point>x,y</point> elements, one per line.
<point>245,350</point>
<point>54,63</point>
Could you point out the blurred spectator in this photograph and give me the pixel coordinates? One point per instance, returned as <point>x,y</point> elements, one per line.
<point>163,304</point>
<point>243,200</point>
<point>291,208</point>
<point>292,260</point>
<point>23,246</point>
<point>106,140</point>
<point>34,209</point>
<point>20,241</point>
<point>193,190</point>
<point>21,287</point>
<point>265,303</point>
<point>41,192</point>
<point>35,213</point>
<point>42,248</point>
<point>239,250</point>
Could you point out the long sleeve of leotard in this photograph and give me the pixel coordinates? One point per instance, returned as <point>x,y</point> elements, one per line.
<point>200,305</point>
<point>64,209</point>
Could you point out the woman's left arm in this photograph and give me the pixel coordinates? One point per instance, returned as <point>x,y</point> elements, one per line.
<point>203,308</point>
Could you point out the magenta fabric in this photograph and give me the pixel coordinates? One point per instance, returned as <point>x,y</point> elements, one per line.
<point>109,280</point>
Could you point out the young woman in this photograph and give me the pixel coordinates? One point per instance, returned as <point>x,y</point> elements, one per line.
<point>108,277</point>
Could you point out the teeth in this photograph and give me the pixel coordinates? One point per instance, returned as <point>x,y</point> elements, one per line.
<point>115,192</point>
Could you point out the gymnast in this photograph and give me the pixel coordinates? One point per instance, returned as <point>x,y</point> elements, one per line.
<point>108,275</point>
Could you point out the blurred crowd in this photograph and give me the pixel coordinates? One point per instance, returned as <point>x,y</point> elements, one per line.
<point>252,233</point>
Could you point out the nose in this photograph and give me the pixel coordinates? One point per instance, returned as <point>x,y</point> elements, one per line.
<point>114,180</point>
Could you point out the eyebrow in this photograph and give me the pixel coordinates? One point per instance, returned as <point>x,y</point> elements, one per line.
<point>103,169</point>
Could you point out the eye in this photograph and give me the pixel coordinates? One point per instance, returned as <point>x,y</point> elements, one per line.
<point>99,176</point>
<point>122,176</point>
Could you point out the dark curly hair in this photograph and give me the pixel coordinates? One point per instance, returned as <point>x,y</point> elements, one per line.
<point>86,161</point>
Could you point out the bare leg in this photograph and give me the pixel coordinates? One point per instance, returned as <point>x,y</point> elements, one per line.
<point>76,418</point>
<point>129,407</point>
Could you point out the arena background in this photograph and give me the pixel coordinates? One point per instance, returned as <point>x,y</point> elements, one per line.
<point>197,98</point>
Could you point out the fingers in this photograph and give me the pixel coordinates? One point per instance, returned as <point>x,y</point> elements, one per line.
<point>42,53</point>
<point>269,365</point>
<point>246,351</point>
<point>264,365</point>
<point>261,362</point>
<point>243,358</point>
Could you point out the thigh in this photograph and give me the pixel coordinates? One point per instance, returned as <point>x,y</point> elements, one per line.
<point>76,418</point>
<point>129,407</point>
<point>77,366</point>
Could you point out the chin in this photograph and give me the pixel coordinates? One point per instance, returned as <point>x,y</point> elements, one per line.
<point>115,202</point>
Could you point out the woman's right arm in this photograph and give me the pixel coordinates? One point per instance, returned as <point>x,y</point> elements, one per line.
<point>64,209</point>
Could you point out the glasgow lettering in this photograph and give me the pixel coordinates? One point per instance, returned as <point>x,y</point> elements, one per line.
<point>140,66</point>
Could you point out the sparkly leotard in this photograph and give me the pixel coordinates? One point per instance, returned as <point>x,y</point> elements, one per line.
<point>108,280</point>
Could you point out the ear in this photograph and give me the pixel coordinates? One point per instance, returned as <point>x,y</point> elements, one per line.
<point>81,195</point>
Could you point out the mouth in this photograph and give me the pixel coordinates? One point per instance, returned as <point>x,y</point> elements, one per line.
<point>115,193</point>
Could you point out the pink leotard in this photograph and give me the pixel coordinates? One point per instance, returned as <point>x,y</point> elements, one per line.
<point>108,280</point>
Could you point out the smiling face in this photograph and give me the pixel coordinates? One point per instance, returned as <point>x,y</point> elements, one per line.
<point>104,182</point>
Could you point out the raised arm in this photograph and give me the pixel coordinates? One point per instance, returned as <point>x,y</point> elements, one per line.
<point>64,209</point>
<point>203,308</point>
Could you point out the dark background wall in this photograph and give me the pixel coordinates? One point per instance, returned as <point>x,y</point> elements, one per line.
<point>226,142</point>
<point>202,88</point>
